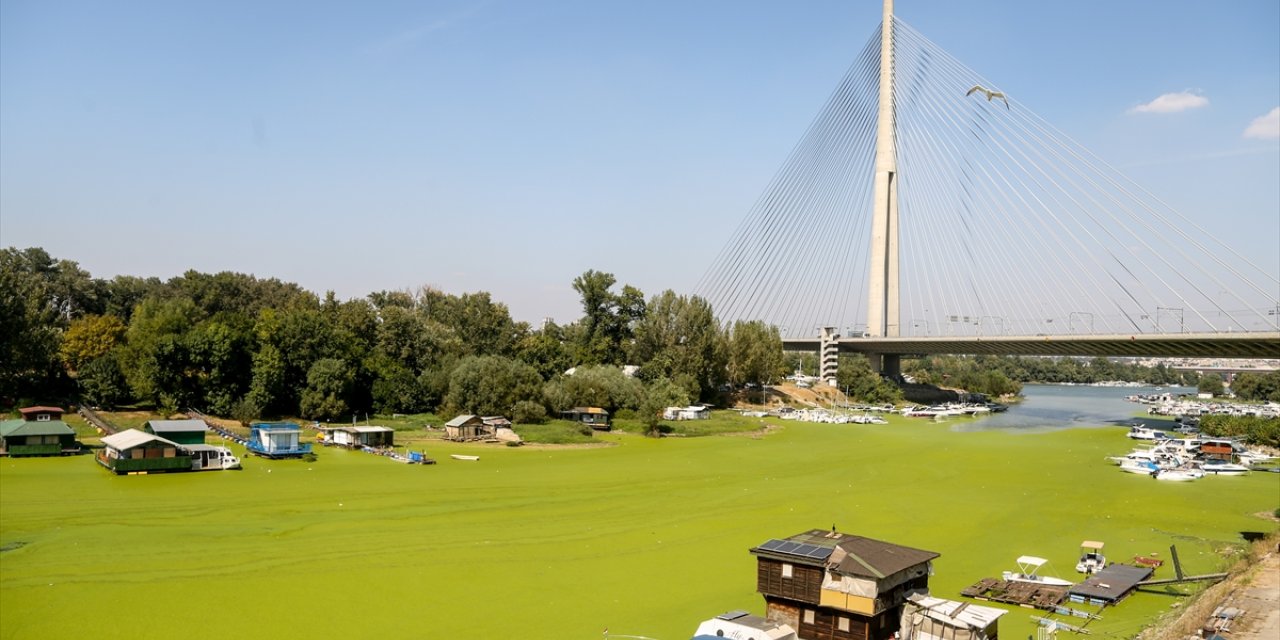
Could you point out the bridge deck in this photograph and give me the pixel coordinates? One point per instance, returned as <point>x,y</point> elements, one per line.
<point>1176,345</point>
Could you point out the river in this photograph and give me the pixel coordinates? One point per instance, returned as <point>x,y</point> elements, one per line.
<point>1054,406</point>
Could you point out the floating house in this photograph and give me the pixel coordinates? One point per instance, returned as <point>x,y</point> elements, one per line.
<point>467,427</point>
<point>838,586</point>
<point>133,451</point>
<point>39,432</point>
<point>276,440</point>
<point>928,618</point>
<point>360,436</point>
<point>595,417</point>
<point>740,624</point>
<point>179,431</point>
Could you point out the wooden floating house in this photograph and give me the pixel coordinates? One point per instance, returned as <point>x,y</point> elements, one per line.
<point>594,417</point>
<point>276,440</point>
<point>837,586</point>
<point>467,427</point>
<point>137,452</point>
<point>359,436</point>
<point>39,432</point>
<point>179,431</point>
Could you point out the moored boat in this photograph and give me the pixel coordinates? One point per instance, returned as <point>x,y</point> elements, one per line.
<point>1028,568</point>
<point>458,456</point>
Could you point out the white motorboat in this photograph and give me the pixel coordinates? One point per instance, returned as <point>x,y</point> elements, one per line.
<point>1091,558</point>
<point>458,456</point>
<point>1145,467</point>
<point>1028,568</point>
<point>1178,475</point>
<point>1143,432</point>
<point>1220,468</point>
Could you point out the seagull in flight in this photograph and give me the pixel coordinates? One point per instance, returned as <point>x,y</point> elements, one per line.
<point>990,94</point>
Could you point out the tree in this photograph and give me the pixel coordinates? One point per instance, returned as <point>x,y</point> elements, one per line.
<point>491,385</point>
<point>679,339</point>
<point>329,382</point>
<point>608,318</point>
<point>861,383</point>
<point>90,337</point>
<point>155,358</point>
<point>101,382</point>
<point>755,353</point>
<point>594,386</point>
<point>1210,383</point>
<point>1257,386</point>
<point>658,395</point>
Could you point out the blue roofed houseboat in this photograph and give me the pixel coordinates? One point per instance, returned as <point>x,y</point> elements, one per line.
<point>276,440</point>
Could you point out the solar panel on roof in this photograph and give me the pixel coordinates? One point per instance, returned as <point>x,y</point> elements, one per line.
<point>819,552</point>
<point>772,545</point>
<point>788,547</point>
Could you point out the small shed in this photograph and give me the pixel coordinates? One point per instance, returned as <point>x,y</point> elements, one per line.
<point>467,427</point>
<point>595,417</point>
<point>133,451</point>
<point>929,618</point>
<point>179,431</point>
<point>360,436</point>
<point>40,432</point>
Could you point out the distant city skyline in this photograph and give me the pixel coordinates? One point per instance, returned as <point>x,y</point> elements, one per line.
<point>509,147</point>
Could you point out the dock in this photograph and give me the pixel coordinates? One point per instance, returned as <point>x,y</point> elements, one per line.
<point>1023,594</point>
<point>1110,585</point>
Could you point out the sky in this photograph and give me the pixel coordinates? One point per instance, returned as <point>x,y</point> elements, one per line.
<point>509,146</point>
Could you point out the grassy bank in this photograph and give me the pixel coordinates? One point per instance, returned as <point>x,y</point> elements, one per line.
<point>647,537</point>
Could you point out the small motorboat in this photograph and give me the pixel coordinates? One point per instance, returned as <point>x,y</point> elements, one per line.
<point>1091,558</point>
<point>1143,432</point>
<point>1222,468</point>
<point>458,456</point>
<point>1028,568</point>
<point>1178,475</point>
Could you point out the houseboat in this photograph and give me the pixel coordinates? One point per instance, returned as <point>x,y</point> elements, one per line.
<point>276,440</point>
<point>39,432</point>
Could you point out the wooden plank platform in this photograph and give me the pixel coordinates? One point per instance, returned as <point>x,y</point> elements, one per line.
<point>1023,594</point>
<point>1110,585</point>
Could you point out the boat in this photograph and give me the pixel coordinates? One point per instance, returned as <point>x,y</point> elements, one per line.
<point>206,457</point>
<point>458,456</point>
<point>1028,566</point>
<point>1178,475</point>
<point>1145,467</point>
<point>1221,468</point>
<point>1143,432</point>
<point>1091,558</point>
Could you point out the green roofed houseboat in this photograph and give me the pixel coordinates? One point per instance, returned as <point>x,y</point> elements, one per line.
<point>39,432</point>
<point>132,451</point>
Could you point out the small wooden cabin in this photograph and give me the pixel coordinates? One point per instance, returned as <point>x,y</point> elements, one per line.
<point>467,427</point>
<point>179,431</point>
<point>595,417</point>
<point>40,432</point>
<point>827,584</point>
<point>134,451</point>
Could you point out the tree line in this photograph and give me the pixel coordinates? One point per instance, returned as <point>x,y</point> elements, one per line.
<point>236,345</point>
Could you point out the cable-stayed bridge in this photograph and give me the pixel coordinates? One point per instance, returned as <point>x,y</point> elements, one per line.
<point>926,211</point>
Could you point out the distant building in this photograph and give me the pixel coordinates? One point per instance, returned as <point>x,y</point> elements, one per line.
<point>467,427</point>
<point>839,586</point>
<point>695,412</point>
<point>39,432</point>
<point>595,417</point>
<point>179,431</point>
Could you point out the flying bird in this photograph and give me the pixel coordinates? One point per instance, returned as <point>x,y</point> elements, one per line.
<point>990,94</point>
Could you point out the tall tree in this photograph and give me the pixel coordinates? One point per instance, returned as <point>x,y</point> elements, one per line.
<point>679,339</point>
<point>608,318</point>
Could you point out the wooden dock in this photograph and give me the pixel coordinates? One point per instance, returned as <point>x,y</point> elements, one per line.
<point>1023,594</point>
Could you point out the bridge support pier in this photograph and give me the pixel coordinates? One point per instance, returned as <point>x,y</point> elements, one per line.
<point>888,364</point>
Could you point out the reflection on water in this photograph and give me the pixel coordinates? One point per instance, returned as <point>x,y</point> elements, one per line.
<point>1053,406</point>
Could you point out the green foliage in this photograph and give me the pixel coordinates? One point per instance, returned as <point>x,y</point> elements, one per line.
<point>245,411</point>
<point>755,353</point>
<point>861,384</point>
<point>603,386</point>
<point>491,385</point>
<point>101,382</point>
<point>1257,387</point>
<point>608,318</point>
<point>329,383</point>
<point>90,337</point>
<point>1262,431</point>
<point>528,412</point>
<point>1210,383</point>
<point>678,338</point>
<point>658,395</point>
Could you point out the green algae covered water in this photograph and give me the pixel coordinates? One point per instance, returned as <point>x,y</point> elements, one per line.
<point>647,537</point>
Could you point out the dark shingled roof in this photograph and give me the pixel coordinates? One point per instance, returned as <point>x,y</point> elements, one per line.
<point>861,556</point>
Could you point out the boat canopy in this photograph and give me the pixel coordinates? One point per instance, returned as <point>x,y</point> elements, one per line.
<point>1031,561</point>
<point>1091,544</point>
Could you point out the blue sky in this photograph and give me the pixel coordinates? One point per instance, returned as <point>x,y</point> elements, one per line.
<point>509,146</point>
